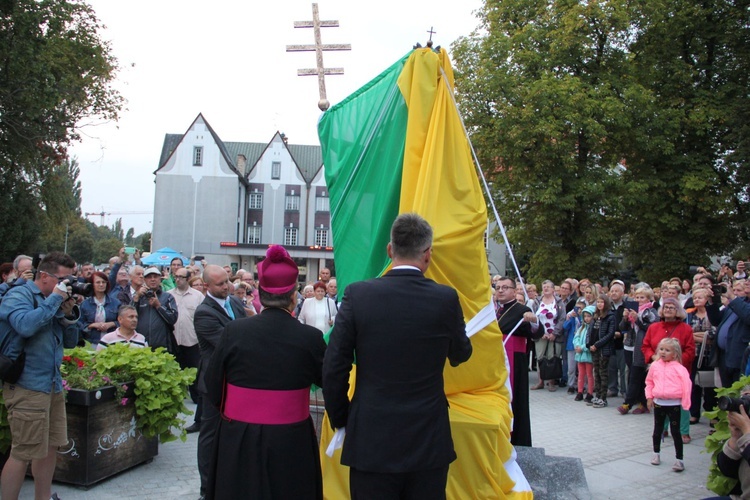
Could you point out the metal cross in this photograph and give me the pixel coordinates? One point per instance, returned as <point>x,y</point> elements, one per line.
<point>318,47</point>
<point>431,33</point>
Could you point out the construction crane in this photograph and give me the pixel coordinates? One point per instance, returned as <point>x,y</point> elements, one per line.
<point>102,214</point>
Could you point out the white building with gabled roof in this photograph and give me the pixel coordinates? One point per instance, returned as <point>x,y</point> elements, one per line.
<point>228,201</point>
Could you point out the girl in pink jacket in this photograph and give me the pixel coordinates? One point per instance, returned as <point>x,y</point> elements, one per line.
<point>668,387</point>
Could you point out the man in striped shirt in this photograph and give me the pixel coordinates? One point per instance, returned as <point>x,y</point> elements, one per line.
<point>127,317</point>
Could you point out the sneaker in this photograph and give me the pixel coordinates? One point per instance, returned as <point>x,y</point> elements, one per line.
<point>623,409</point>
<point>571,390</point>
<point>656,460</point>
<point>579,397</point>
<point>589,399</point>
<point>601,403</point>
<point>641,410</point>
<point>678,466</point>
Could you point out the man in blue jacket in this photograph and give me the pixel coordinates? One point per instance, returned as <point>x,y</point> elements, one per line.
<point>733,335</point>
<point>38,319</point>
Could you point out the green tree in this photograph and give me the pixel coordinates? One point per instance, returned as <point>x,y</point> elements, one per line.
<point>60,194</point>
<point>144,241</point>
<point>55,71</point>
<point>20,217</point>
<point>80,242</point>
<point>612,127</point>
<point>686,185</point>
<point>130,237</point>
<point>541,93</point>
<point>106,248</point>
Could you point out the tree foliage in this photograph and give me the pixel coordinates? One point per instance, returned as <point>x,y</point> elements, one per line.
<point>55,71</point>
<point>600,128</point>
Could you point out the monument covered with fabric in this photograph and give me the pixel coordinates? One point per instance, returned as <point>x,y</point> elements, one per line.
<point>397,145</point>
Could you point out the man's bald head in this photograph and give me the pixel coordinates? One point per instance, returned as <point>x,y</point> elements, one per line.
<point>217,281</point>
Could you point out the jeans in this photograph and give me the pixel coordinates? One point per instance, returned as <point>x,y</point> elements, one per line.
<point>617,364</point>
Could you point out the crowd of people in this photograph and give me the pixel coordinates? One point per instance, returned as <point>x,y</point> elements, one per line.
<point>182,308</point>
<point>618,341</point>
<point>662,349</point>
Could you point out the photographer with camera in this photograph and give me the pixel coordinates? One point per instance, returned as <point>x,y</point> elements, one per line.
<point>157,312</point>
<point>37,319</point>
<point>734,459</point>
<point>733,335</point>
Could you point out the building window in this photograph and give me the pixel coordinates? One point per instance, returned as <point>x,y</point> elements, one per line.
<point>290,236</point>
<point>256,200</point>
<point>322,204</point>
<point>321,237</point>
<point>292,203</point>
<point>276,170</point>
<point>197,156</point>
<point>253,235</point>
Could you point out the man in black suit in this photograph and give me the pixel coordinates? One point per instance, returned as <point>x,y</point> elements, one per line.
<point>211,316</point>
<point>402,326</point>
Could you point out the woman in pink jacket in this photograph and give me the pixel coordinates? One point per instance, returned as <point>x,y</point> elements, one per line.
<point>668,388</point>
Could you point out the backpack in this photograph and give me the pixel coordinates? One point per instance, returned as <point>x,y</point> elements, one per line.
<point>11,369</point>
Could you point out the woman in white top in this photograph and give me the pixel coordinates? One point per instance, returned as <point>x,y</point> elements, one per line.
<point>318,311</point>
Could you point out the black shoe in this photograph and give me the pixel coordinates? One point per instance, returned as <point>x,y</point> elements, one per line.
<point>571,390</point>
<point>196,427</point>
<point>579,397</point>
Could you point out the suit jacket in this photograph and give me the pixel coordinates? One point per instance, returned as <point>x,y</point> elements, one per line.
<point>402,326</point>
<point>209,321</point>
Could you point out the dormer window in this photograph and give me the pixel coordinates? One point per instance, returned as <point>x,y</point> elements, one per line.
<point>197,156</point>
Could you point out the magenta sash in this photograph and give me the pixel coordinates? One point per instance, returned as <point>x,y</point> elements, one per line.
<point>261,406</point>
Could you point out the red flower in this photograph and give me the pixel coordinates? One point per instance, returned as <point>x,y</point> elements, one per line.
<point>80,363</point>
<point>66,358</point>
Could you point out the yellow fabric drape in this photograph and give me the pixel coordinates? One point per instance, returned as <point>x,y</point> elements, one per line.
<point>439,183</point>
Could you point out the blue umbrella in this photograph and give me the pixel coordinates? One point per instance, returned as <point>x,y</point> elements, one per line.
<point>163,257</point>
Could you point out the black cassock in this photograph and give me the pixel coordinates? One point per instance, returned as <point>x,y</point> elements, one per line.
<point>270,352</point>
<point>515,348</point>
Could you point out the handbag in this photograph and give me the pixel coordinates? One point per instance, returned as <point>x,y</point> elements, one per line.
<point>704,373</point>
<point>549,368</point>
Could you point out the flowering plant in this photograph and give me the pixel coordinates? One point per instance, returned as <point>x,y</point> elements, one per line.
<point>159,386</point>
<point>79,371</point>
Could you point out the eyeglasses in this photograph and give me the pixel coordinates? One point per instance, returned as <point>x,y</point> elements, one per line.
<point>58,278</point>
<point>505,287</point>
<point>180,276</point>
<point>669,308</point>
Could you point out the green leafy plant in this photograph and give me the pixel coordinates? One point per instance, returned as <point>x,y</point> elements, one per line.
<point>160,386</point>
<point>717,482</point>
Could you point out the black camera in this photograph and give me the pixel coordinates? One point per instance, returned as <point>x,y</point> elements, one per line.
<point>150,294</point>
<point>719,290</point>
<point>78,288</point>
<point>728,403</point>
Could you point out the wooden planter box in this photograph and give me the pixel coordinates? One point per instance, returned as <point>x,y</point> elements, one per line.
<point>102,438</point>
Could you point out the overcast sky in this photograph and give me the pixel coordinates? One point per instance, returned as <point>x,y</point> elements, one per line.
<point>227,59</point>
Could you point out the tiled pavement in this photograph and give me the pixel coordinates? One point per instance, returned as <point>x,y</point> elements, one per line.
<point>615,451</point>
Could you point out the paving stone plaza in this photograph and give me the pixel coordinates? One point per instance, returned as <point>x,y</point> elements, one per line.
<point>615,451</point>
